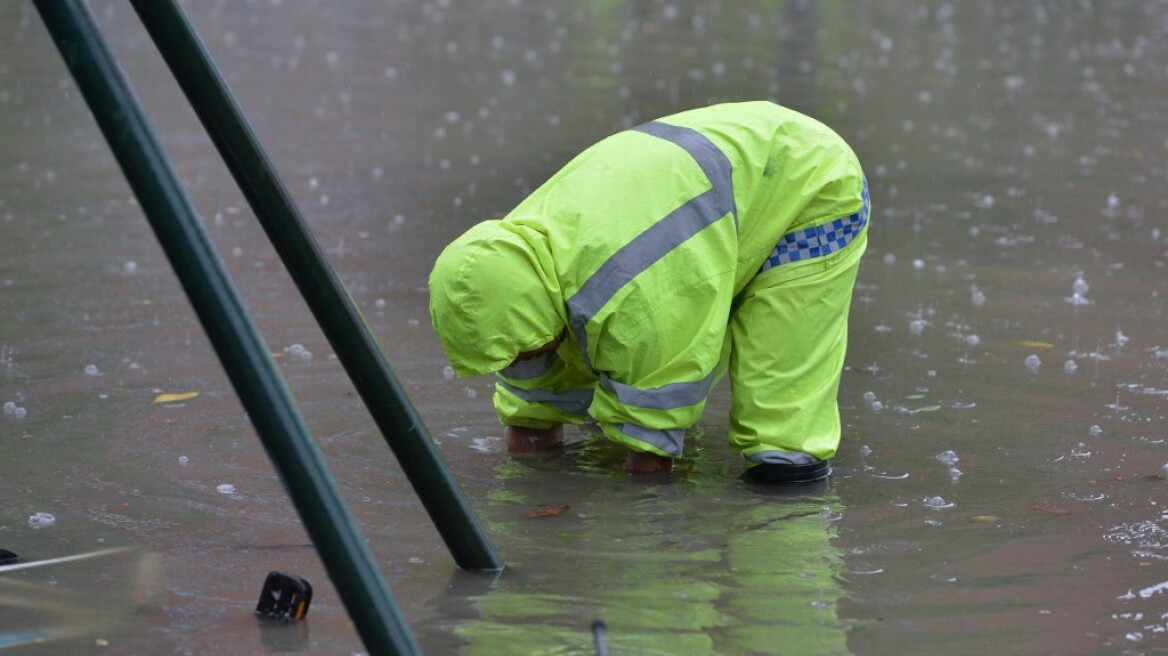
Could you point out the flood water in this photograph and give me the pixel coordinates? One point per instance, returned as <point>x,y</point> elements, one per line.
<point>1001,486</point>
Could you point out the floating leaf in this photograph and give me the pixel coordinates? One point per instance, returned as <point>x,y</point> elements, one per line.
<point>1037,345</point>
<point>929,408</point>
<point>914,397</point>
<point>547,511</point>
<point>175,397</point>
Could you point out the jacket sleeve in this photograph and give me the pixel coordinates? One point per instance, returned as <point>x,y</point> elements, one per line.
<point>545,391</point>
<point>658,364</point>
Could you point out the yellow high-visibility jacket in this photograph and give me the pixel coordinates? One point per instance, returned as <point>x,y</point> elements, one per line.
<point>636,250</point>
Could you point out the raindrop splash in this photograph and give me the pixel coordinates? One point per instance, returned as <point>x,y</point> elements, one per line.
<point>41,520</point>
<point>1033,364</point>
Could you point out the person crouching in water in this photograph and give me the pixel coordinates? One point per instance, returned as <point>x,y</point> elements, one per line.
<point>721,240</point>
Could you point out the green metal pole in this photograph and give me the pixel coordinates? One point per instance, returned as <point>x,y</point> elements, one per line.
<point>256,379</point>
<point>343,325</point>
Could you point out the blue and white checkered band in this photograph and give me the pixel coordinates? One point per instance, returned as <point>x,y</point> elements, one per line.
<point>819,240</point>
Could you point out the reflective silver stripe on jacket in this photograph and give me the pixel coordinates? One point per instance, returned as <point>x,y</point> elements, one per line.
<point>670,441</point>
<point>573,401</point>
<point>528,369</point>
<point>660,239</point>
<point>666,397</point>
<point>710,159</point>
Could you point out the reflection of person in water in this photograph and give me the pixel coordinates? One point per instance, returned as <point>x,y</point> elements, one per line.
<point>667,575</point>
<point>720,240</point>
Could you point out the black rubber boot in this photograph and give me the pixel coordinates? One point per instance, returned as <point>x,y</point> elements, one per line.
<point>781,474</point>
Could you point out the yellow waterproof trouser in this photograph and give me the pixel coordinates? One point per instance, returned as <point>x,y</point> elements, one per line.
<point>785,352</point>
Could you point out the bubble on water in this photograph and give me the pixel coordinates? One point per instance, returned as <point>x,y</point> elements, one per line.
<point>298,352</point>
<point>92,370</point>
<point>972,340</point>
<point>916,326</point>
<point>19,412</point>
<point>9,408</point>
<point>130,266</point>
<point>876,406</point>
<point>448,372</point>
<point>379,304</point>
<point>866,451</point>
<point>918,264</point>
<point>954,473</point>
<point>1033,363</point>
<point>41,520</point>
<point>1095,430</point>
<point>472,393</point>
<point>1120,338</point>
<point>889,259</point>
<point>1080,286</point>
<point>225,488</point>
<point>414,560</point>
<point>947,458</point>
<point>869,396</point>
<point>509,78</point>
<point>1070,367</point>
<point>937,503</point>
<point>183,460</point>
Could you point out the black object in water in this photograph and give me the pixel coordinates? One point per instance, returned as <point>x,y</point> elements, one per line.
<point>284,597</point>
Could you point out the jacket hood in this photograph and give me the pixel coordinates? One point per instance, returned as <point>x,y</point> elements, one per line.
<point>493,295</point>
